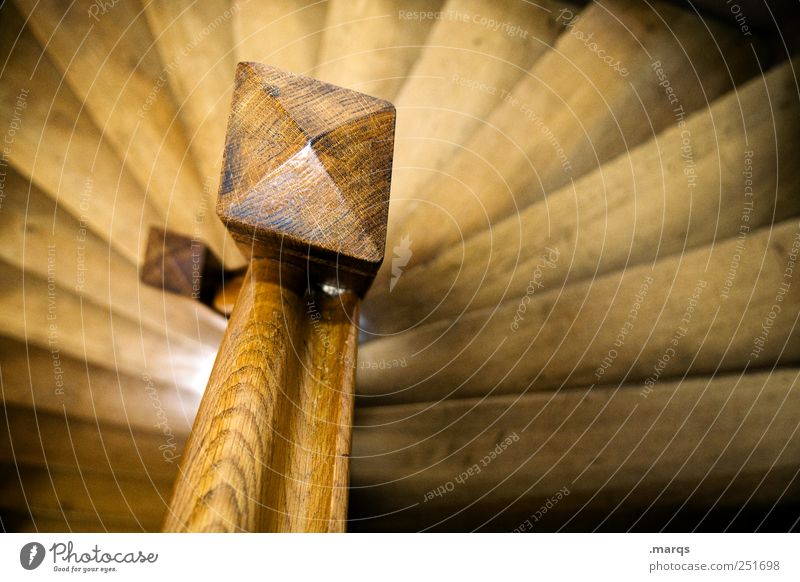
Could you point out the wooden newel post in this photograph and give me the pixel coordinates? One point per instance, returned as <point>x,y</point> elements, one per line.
<point>305,192</point>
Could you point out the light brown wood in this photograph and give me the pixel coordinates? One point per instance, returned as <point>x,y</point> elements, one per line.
<point>682,314</point>
<point>45,240</point>
<point>370,45</point>
<point>570,114</point>
<point>62,441</point>
<point>459,78</point>
<point>39,311</point>
<point>58,147</point>
<point>281,383</point>
<point>226,296</point>
<point>305,193</point>
<point>51,492</point>
<point>638,208</point>
<point>689,441</point>
<point>197,40</point>
<point>135,107</point>
<point>76,388</point>
<point>285,34</point>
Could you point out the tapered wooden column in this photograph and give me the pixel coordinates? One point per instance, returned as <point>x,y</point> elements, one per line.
<point>305,189</point>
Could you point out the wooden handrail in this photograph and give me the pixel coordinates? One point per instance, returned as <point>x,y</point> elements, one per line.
<point>305,189</point>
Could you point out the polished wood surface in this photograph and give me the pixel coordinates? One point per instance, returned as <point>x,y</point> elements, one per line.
<point>269,449</point>
<point>116,123</point>
<point>304,190</point>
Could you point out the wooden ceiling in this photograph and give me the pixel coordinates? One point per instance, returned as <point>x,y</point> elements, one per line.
<point>589,302</point>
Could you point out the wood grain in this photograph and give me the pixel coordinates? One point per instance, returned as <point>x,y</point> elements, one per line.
<point>58,147</point>
<point>63,441</point>
<point>458,79</point>
<point>304,191</point>
<point>39,311</point>
<point>197,40</point>
<point>44,239</point>
<point>681,314</point>
<point>124,89</point>
<point>571,114</point>
<point>638,208</point>
<point>370,46</point>
<point>269,448</point>
<point>139,501</point>
<point>83,391</point>
<point>285,34</point>
<point>705,442</point>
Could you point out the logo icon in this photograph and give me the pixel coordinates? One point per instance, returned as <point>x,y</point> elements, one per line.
<point>402,254</point>
<point>31,555</point>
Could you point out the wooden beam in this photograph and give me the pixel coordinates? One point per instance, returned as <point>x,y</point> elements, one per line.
<point>636,209</point>
<point>197,38</point>
<point>137,112</point>
<point>628,457</point>
<point>726,306</point>
<point>147,446</point>
<point>44,521</point>
<point>305,193</point>
<point>52,493</point>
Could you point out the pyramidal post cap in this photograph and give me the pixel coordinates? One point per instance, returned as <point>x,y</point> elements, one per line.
<point>306,173</point>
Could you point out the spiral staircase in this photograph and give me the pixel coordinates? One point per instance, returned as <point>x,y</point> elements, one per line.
<point>587,318</point>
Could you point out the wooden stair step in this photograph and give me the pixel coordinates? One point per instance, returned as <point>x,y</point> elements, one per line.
<point>370,46</point>
<point>638,208</point>
<point>727,440</point>
<point>58,147</point>
<point>124,90</point>
<point>680,314</point>
<point>572,113</point>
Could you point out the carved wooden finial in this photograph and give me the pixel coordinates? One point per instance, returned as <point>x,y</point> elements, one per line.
<point>306,174</point>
